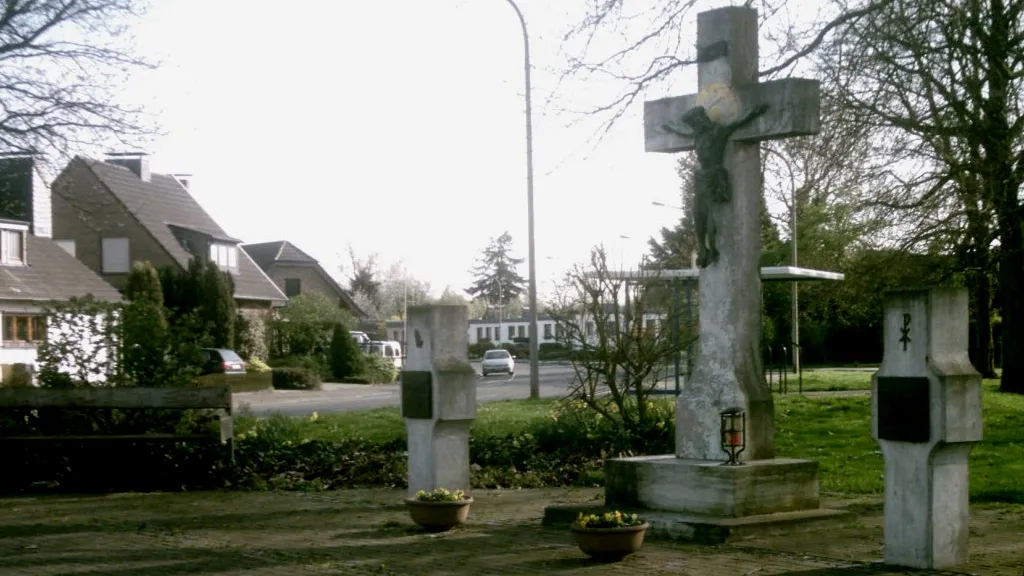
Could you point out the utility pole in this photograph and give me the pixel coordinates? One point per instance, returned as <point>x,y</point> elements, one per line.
<point>795,336</point>
<point>532,263</point>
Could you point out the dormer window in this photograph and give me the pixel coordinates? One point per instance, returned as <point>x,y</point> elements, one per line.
<point>12,245</point>
<point>225,256</point>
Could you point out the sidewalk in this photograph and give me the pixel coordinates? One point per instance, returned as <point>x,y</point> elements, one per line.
<point>368,532</point>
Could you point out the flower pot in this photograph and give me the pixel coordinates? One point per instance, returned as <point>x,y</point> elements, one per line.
<point>438,516</point>
<point>610,544</point>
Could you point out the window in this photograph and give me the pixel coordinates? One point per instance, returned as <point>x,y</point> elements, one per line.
<point>116,258</point>
<point>488,330</point>
<point>522,331</point>
<point>292,287</point>
<point>479,333</point>
<point>12,242</point>
<point>225,256</point>
<point>67,245</point>
<point>511,332</point>
<point>547,331</point>
<point>590,328</point>
<point>394,334</point>
<point>24,329</point>
<point>558,330</point>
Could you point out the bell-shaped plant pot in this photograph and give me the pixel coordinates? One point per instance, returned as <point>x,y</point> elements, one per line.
<point>610,544</point>
<point>438,516</point>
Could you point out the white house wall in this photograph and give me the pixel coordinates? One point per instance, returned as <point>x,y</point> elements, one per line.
<point>545,336</point>
<point>28,354</point>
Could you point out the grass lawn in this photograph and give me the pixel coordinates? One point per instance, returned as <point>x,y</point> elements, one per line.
<point>828,380</point>
<point>835,431</point>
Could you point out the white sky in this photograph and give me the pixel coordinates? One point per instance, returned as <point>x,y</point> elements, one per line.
<point>394,126</point>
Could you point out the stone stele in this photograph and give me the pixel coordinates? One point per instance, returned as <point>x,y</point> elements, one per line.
<point>438,397</point>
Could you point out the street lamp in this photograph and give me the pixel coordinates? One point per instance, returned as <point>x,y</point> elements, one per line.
<point>531,261</point>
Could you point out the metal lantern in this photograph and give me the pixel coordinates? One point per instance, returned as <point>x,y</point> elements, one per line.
<point>734,434</point>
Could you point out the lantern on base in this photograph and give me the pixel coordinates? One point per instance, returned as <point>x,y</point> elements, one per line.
<point>734,434</point>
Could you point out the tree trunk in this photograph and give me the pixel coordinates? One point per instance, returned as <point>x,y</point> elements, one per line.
<point>981,345</point>
<point>1011,270</point>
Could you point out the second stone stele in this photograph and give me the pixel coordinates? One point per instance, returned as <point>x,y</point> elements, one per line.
<point>691,494</point>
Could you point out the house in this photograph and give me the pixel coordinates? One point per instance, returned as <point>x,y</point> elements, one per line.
<point>35,270</point>
<point>112,213</point>
<point>296,272</point>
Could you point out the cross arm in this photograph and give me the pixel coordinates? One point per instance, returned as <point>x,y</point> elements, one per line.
<point>794,109</point>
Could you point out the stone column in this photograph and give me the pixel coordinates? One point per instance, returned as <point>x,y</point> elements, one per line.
<point>926,416</point>
<point>438,397</point>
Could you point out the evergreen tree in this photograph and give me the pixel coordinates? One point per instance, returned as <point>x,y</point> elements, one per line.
<point>218,306</point>
<point>497,280</point>
<point>144,327</point>
<point>345,356</point>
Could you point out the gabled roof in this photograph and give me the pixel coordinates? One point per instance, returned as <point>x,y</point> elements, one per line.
<point>267,253</point>
<point>283,252</point>
<point>52,274</point>
<point>163,204</point>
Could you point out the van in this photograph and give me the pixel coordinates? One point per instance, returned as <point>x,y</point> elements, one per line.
<point>389,349</point>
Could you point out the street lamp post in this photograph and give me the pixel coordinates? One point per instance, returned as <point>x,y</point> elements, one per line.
<point>532,263</point>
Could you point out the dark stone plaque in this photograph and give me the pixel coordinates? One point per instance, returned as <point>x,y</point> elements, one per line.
<point>417,397</point>
<point>904,410</point>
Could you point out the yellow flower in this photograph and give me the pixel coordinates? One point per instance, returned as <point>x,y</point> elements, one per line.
<point>660,425</point>
<point>314,417</point>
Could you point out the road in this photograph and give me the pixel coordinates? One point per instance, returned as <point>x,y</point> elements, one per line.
<point>554,381</point>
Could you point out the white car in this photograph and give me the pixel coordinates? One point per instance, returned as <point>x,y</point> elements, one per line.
<point>498,361</point>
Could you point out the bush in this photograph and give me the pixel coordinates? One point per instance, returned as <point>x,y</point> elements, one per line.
<point>295,379</point>
<point>345,356</point>
<point>310,363</point>
<point>256,366</point>
<point>379,370</point>
<point>356,380</point>
<point>251,335</point>
<point>553,351</point>
<point>250,382</point>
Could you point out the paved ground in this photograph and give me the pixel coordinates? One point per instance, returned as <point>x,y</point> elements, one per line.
<point>554,381</point>
<point>368,532</point>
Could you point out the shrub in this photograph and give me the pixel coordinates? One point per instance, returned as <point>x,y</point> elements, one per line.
<point>345,356</point>
<point>251,335</point>
<point>379,370</point>
<point>356,380</point>
<point>307,362</point>
<point>256,365</point>
<point>250,382</point>
<point>552,351</point>
<point>295,379</point>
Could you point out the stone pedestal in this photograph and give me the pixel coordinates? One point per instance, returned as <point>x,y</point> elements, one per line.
<point>438,397</point>
<point>926,416</point>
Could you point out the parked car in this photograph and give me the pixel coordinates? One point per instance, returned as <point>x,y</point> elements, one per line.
<point>498,361</point>
<point>222,361</point>
<point>389,349</point>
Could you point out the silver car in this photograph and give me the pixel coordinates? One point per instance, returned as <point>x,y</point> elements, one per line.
<point>498,361</point>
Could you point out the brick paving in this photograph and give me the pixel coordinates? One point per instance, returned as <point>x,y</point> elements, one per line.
<point>368,532</point>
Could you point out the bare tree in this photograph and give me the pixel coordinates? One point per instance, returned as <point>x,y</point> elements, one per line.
<point>650,47</point>
<point>944,79</point>
<point>619,341</point>
<point>62,63</point>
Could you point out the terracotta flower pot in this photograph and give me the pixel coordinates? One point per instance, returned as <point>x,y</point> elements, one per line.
<point>438,516</point>
<point>610,544</point>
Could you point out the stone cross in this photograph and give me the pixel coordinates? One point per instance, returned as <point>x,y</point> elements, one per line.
<point>729,369</point>
<point>926,416</point>
<point>438,397</point>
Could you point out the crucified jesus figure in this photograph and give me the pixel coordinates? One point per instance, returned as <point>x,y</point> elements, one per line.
<point>712,179</point>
